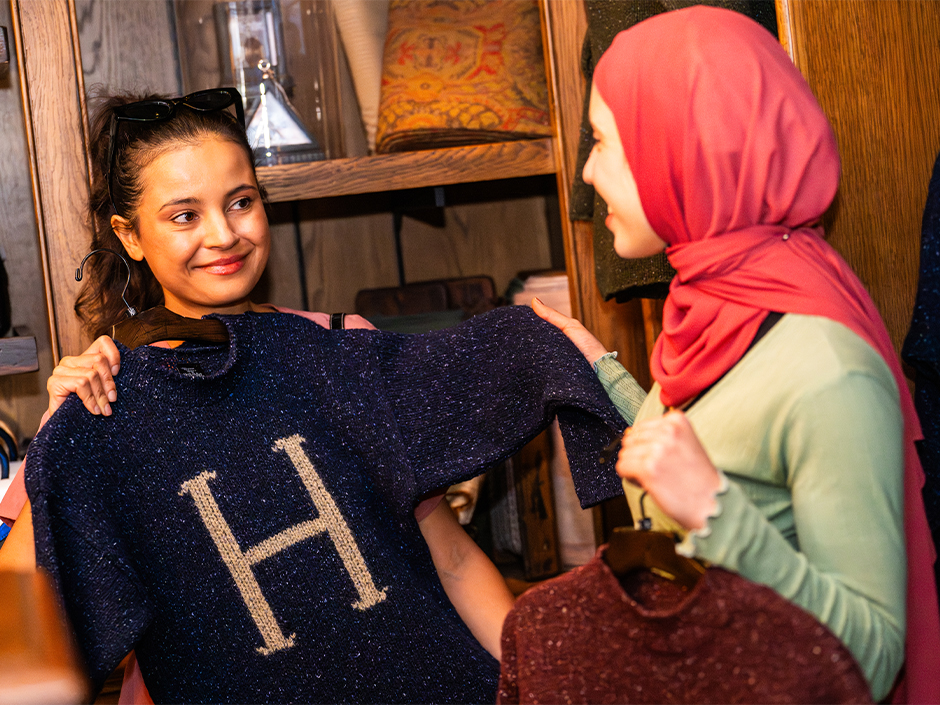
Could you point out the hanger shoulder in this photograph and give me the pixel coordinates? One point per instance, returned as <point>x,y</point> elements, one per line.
<point>629,549</point>
<point>159,323</point>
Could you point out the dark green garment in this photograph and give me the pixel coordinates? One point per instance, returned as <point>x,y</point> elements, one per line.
<point>648,277</point>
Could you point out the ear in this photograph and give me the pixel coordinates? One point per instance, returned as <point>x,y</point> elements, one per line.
<point>128,236</point>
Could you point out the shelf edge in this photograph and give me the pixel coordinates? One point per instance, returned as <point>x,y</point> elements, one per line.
<point>405,170</point>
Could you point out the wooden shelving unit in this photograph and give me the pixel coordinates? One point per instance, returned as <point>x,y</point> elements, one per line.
<point>404,170</point>
<point>47,35</point>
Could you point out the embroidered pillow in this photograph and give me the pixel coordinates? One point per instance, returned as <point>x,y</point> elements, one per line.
<point>462,72</point>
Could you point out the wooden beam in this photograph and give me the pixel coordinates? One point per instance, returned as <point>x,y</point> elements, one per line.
<point>51,85</point>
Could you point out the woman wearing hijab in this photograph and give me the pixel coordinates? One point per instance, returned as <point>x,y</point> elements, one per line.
<point>778,438</point>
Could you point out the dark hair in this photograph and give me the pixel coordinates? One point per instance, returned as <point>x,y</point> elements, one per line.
<point>99,304</point>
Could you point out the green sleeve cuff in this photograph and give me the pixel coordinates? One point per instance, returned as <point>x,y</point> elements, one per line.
<point>624,391</point>
<point>737,537</point>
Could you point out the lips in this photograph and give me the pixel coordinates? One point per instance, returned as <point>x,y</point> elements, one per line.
<point>227,265</point>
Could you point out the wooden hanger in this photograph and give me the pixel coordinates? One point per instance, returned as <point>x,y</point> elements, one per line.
<point>655,551</point>
<point>159,323</point>
<point>644,549</point>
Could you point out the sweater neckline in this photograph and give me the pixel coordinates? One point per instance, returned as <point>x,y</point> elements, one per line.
<point>191,374</point>
<point>687,603</point>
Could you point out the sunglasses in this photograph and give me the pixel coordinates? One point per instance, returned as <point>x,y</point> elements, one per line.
<point>161,109</point>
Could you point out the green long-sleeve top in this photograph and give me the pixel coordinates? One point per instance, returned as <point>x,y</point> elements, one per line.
<point>807,430</point>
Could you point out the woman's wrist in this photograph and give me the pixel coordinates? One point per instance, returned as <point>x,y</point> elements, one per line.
<point>707,505</point>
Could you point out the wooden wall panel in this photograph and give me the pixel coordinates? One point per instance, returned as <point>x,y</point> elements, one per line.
<point>22,397</point>
<point>499,239</point>
<point>348,245</point>
<point>128,46</point>
<point>55,142</point>
<point>619,326</point>
<point>875,68</point>
<point>565,26</point>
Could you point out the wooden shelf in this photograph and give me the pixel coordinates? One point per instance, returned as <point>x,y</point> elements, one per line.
<point>404,170</point>
<point>18,355</point>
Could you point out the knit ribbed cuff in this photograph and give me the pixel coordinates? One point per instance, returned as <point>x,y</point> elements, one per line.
<point>624,391</point>
<point>605,356</point>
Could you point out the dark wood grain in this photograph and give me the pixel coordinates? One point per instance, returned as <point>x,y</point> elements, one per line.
<point>195,27</point>
<point>405,170</point>
<point>875,68</point>
<point>533,478</point>
<point>619,327</point>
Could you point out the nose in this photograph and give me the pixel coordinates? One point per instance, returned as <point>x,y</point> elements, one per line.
<point>587,173</point>
<point>219,233</point>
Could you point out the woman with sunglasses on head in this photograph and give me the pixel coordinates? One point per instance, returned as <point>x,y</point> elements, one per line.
<point>778,438</point>
<point>174,188</point>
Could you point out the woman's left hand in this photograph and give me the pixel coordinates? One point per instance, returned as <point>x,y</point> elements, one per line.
<point>665,458</point>
<point>590,347</point>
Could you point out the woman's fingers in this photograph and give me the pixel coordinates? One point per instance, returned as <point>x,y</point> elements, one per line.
<point>664,457</point>
<point>590,347</point>
<point>89,375</point>
<point>84,381</point>
<point>105,346</point>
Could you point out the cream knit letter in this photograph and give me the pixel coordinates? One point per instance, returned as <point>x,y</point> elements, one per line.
<point>336,526</point>
<point>239,563</point>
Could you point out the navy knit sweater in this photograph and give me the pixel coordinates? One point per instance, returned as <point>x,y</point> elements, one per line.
<point>244,519</point>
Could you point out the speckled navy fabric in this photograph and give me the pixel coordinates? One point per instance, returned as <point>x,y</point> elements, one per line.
<point>922,351</point>
<point>244,519</point>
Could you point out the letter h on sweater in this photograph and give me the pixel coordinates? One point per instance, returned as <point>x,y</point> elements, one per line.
<point>239,562</point>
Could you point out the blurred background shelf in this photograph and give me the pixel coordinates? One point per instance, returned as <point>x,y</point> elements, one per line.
<point>405,170</point>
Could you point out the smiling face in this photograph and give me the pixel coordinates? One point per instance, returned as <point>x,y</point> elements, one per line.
<point>608,171</point>
<point>201,227</point>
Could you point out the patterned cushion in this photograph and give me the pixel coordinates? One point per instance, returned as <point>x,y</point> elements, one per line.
<point>462,72</point>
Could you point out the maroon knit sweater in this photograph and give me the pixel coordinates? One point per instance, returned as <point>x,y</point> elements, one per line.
<point>583,638</point>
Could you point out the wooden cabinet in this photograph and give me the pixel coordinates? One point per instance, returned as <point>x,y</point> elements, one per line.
<point>508,199</point>
<point>508,215</point>
<point>873,64</point>
<point>50,35</point>
<point>22,396</point>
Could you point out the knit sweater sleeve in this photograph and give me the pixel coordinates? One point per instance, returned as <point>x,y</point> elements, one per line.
<point>468,397</point>
<point>74,541</point>
<point>843,449</point>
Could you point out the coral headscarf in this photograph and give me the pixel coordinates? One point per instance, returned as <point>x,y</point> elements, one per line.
<point>735,162</point>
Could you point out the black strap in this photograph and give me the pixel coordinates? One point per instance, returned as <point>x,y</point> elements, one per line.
<point>770,320</point>
<point>337,321</point>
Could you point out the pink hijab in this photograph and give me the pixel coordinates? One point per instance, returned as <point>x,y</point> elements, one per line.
<point>735,163</point>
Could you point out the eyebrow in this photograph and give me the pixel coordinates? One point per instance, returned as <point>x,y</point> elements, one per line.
<point>190,200</point>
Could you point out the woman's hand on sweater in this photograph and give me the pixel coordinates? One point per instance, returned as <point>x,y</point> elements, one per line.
<point>590,347</point>
<point>89,375</point>
<point>663,456</point>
